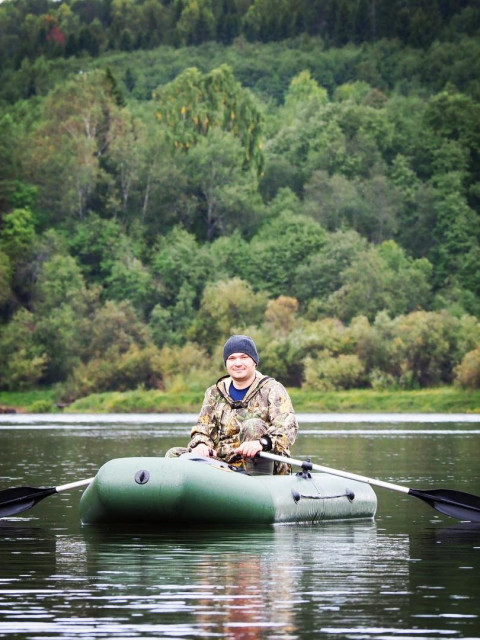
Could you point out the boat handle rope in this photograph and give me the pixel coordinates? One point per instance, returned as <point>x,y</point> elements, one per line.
<point>348,494</point>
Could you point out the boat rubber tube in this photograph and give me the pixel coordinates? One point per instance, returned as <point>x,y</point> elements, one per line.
<point>173,491</point>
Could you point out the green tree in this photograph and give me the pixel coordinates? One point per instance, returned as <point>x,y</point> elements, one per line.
<point>329,374</point>
<point>424,349</point>
<point>126,138</point>
<point>196,23</point>
<point>268,20</point>
<point>194,103</point>
<point>320,275</point>
<point>131,280</point>
<point>179,259</point>
<point>455,234</point>
<point>304,136</point>
<point>305,94</point>
<point>225,194</point>
<point>5,280</point>
<point>187,367</point>
<point>280,246</point>
<point>23,358</point>
<point>9,161</point>
<point>227,307</point>
<point>126,16</point>
<point>62,302</point>
<point>17,233</point>
<point>467,373</point>
<point>370,206</point>
<point>156,23</point>
<point>382,278</point>
<point>114,329</point>
<point>95,243</point>
<point>65,152</point>
<point>229,255</point>
<point>60,282</point>
<point>453,116</point>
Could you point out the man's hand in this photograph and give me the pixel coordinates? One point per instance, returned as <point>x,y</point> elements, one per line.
<point>249,448</point>
<point>202,450</point>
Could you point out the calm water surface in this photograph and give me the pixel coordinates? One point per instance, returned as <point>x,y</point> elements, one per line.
<point>410,573</point>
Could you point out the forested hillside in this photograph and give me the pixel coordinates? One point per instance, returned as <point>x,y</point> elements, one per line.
<point>307,172</point>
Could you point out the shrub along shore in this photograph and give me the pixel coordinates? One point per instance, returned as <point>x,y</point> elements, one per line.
<point>438,400</point>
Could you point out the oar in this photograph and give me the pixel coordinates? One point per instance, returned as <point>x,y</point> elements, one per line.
<point>18,499</point>
<point>458,504</point>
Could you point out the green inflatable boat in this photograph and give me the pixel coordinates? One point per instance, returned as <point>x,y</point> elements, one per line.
<point>198,492</point>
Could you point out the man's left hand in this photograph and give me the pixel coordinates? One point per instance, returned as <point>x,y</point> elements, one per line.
<point>249,448</point>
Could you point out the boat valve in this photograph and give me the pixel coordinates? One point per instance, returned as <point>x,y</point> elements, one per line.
<point>142,477</point>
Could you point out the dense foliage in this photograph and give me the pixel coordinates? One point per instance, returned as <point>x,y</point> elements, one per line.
<point>75,27</point>
<point>320,193</point>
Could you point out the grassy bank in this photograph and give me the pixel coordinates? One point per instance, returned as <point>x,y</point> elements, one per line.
<point>442,400</point>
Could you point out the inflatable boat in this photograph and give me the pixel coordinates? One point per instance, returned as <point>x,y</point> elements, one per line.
<point>190,491</point>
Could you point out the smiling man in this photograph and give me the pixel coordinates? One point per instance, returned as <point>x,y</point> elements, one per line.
<point>243,413</point>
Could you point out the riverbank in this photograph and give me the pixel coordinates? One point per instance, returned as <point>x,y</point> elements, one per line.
<point>441,400</point>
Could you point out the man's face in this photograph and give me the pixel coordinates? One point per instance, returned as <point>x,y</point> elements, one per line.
<point>240,367</point>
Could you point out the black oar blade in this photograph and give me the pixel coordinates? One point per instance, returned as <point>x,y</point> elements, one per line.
<point>458,504</point>
<point>18,499</point>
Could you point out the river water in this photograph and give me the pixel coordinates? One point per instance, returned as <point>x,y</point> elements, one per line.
<point>409,573</point>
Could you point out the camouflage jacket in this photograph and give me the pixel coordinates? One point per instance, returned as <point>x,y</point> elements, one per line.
<point>219,423</point>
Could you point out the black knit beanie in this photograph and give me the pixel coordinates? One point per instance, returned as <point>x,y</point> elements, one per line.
<point>240,344</point>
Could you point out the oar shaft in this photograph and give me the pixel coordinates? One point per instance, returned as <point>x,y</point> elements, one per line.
<point>73,485</point>
<point>335,472</point>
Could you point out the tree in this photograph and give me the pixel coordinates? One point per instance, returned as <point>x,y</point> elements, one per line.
<point>467,373</point>
<point>328,374</point>
<point>268,20</point>
<point>320,275</point>
<point>131,280</point>
<point>61,303</point>
<point>305,136</point>
<point>227,306</point>
<point>281,245</point>
<point>156,23</point>
<point>115,328</point>
<point>424,351</point>
<point>5,280</point>
<point>179,260</point>
<point>280,314</point>
<point>196,23</point>
<point>229,255</point>
<point>304,94</point>
<point>9,134</point>
<point>382,278</point>
<point>95,242</point>
<point>22,356</point>
<point>452,115</point>
<point>64,158</point>
<point>60,282</point>
<point>187,368</point>
<point>225,194</point>
<point>194,103</point>
<point>456,239</point>
<point>126,15</point>
<point>369,206</point>
<point>125,142</point>
<point>17,233</point>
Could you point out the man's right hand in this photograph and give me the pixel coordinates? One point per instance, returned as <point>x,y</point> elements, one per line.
<point>202,450</point>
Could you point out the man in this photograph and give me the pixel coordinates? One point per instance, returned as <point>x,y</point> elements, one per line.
<point>243,413</point>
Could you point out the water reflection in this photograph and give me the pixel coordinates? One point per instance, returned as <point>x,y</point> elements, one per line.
<point>239,584</point>
<point>412,573</point>
<point>230,584</point>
